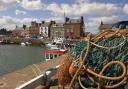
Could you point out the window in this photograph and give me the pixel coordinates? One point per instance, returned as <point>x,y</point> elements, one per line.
<point>47,56</point>
<point>122,26</point>
<point>55,55</point>
<point>51,56</point>
<point>126,26</point>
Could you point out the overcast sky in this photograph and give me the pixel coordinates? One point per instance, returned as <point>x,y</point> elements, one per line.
<point>18,12</point>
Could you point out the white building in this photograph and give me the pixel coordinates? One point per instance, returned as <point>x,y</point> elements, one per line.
<point>45,29</point>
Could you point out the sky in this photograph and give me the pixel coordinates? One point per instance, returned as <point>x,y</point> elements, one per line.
<point>19,12</point>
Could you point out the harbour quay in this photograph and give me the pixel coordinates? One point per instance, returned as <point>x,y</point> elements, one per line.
<point>21,76</point>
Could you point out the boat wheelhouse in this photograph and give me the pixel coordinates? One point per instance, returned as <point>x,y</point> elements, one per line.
<point>54,51</point>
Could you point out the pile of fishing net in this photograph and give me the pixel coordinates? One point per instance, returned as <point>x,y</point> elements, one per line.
<point>100,62</point>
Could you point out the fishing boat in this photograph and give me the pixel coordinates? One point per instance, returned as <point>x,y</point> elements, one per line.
<point>25,43</point>
<point>50,44</point>
<point>55,42</point>
<point>22,44</point>
<point>55,51</point>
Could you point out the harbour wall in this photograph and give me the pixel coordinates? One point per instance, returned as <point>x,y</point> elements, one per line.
<point>19,77</point>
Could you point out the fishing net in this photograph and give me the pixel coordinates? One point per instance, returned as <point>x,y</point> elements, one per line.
<point>113,50</point>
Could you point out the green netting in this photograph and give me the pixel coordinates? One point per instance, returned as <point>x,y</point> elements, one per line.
<point>99,57</point>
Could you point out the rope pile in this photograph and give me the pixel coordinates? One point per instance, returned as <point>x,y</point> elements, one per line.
<point>101,62</point>
<point>62,72</point>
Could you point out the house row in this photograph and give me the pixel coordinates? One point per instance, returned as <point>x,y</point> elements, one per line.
<point>71,28</point>
<point>21,32</point>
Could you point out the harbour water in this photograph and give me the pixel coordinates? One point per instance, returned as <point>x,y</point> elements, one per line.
<point>13,57</point>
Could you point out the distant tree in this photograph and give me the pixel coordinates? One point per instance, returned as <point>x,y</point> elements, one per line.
<point>24,26</point>
<point>3,31</point>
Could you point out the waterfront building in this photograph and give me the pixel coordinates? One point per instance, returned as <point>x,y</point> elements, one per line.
<point>104,26</point>
<point>74,28</point>
<point>2,37</point>
<point>118,25</point>
<point>16,33</point>
<point>20,32</point>
<point>44,29</point>
<point>34,28</point>
<point>71,28</point>
<point>57,30</point>
<point>25,33</point>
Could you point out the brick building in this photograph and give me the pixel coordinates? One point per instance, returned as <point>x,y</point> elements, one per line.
<point>57,30</point>
<point>21,32</point>
<point>25,33</point>
<point>34,28</point>
<point>16,33</point>
<point>74,28</point>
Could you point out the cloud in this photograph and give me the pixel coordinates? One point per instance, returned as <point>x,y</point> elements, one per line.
<point>26,4</point>
<point>125,9</point>
<point>57,19</point>
<point>32,5</point>
<point>105,19</point>
<point>5,4</point>
<point>10,22</point>
<point>83,7</point>
<point>11,1</point>
<point>20,12</point>
<point>94,23</point>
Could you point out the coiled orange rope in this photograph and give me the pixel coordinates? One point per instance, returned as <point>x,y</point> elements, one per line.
<point>82,62</point>
<point>122,78</point>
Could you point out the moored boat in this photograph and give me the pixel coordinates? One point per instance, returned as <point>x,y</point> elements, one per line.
<point>25,43</point>
<point>22,44</point>
<point>54,51</point>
